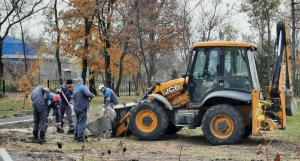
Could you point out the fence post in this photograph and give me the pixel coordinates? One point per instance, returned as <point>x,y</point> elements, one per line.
<point>129,88</point>
<point>3,83</point>
<point>48,83</point>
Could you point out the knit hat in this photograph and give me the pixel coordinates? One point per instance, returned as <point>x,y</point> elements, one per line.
<point>69,81</point>
<point>56,97</point>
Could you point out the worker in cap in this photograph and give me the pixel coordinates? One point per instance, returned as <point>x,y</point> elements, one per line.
<point>109,96</point>
<point>55,105</point>
<point>66,91</point>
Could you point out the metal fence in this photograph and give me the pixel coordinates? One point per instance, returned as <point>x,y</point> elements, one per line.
<point>2,86</point>
<point>127,88</point>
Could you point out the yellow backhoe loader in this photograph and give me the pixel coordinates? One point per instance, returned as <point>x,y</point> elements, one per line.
<point>220,92</point>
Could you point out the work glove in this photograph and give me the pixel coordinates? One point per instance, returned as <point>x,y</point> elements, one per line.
<point>71,106</point>
<point>58,90</point>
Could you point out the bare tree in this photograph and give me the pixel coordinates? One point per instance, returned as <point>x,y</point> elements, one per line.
<point>262,14</point>
<point>186,18</point>
<point>9,17</point>
<point>57,55</point>
<point>158,32</point>
<point>212,14</point>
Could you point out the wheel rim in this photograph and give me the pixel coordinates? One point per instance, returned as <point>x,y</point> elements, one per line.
<point>221,126</point>
<point>146,121</point>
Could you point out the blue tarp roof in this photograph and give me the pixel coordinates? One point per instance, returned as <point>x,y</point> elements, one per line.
<point>14,46</point>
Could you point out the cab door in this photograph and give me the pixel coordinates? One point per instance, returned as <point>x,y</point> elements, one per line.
<point>204,72</point>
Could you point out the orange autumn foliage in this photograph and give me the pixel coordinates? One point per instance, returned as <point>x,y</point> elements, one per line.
<point>74,34</point>
<point>25,83</point>
<point>74,38</point>
<point>130,63</point>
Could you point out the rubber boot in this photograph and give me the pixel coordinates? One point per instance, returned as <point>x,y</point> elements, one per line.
<point>59,130</point>
<point>71,129</point>
<point>75,136</point>
<point>42,136</point>
<point>35,136</point>
<point>81,139</point>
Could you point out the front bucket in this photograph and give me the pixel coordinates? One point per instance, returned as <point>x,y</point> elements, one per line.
<point>100,127</point>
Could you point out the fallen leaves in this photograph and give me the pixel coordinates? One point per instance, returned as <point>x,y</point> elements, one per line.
<point>271,124</point>
<point>120,143</point>
<point>277,157</point>
<point>260,149</point>
<point>257,131</point>
<point>59,145</point>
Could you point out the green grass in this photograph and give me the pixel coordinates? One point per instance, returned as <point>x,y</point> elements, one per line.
<point>12,105</point>
<point>292,128</point>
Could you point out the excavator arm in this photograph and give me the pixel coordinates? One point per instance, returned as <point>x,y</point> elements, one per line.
<point>282,76</point>
<point>279,101</point>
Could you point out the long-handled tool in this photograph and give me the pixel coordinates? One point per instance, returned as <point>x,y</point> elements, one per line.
<point>49,119</point>
<point>71,106</point>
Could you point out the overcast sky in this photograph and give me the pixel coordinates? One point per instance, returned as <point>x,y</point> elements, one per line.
<point>35,27</point>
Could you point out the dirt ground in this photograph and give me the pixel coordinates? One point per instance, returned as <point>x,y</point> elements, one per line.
<point>188,144</point>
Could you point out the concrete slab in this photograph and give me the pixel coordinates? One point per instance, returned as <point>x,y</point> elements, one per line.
<point>4,156</point>
<point>16,120</point>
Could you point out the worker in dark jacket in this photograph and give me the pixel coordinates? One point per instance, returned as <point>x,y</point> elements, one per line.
<point>109,96</point>
<point>66,91</point>
<point>55,105</point>
<point>81,98</point>
<point>40,100</point>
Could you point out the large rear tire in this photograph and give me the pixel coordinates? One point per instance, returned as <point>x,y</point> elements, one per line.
<point>148,120</point>
<point>223,124</point>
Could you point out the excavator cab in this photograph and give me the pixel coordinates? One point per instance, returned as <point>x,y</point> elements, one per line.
<point>221,66</point>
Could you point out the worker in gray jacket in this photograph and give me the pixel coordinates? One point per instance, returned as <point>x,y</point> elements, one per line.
<point>40,100</point>
<point>81,98</point>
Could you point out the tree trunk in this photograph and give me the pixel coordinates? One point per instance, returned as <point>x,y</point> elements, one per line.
<point>1,62</point>
<point>57,44</point>
<point>108,82</point>
<point>92,82</point>
<point>269,50</point>
<point>117,90</point>
<point>152,62</point>
<point>24,47</point>
<point>84,69</point>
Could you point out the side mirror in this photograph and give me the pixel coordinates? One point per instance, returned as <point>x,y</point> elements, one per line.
<point>183,75</point>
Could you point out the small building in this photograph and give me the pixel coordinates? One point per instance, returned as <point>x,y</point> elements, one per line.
<point>14,64</point>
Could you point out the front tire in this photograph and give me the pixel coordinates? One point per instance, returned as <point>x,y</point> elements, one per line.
<point>223,124</point>
<point>148,120</point>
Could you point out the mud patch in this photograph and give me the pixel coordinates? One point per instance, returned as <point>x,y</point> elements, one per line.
<point>187,144</point>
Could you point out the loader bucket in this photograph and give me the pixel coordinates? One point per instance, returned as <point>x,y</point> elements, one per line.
<point>102,127</point>
<point>112,121</point>
<point>290,103</point>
